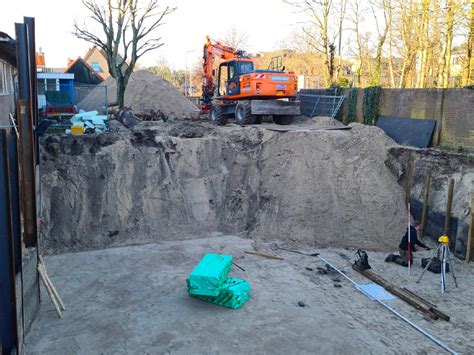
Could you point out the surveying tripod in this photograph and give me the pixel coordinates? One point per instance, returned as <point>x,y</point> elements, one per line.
<point>443,250</point>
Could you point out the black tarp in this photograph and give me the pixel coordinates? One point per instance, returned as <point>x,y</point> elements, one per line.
<point>408,131</point>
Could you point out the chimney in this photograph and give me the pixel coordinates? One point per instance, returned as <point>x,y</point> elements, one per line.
<point>40,61</point>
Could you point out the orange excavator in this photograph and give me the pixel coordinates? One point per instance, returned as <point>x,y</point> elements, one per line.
<point>237,89</point>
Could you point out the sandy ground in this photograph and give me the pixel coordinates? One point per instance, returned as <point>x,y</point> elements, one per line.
<point>133,300</point>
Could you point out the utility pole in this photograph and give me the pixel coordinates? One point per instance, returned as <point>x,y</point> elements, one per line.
<point>187,82</point>
<point>186,74</point>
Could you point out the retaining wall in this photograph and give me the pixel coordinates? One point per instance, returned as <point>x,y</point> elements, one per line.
<point>453,109</point>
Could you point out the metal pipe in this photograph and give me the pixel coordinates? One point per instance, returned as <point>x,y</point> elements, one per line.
<point>422,331</point>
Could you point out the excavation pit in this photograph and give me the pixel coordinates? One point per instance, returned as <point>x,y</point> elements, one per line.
<point>128,214</point>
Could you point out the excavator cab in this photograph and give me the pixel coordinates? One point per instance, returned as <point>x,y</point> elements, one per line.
<point>229,73</point>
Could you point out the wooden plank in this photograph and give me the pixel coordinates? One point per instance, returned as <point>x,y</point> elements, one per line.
<point>264,255</point>
<point>449,206</point>
<point>424,211</point>
<point>418,297</point>
<point>433,307</point>
<point>470,237</point>
<point>298,128</point>
<point>403,295</point>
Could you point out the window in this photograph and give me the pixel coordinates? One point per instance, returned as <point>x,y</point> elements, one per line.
<point>246,67</point>
<point>231,70</point>
<point>223,76</point>
<point>96,67</point>
<point>3,79</point>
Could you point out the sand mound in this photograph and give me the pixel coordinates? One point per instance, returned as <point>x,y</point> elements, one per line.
<point>147,95</point>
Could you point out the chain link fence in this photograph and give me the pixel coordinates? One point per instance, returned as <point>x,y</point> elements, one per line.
<point>320,102</point>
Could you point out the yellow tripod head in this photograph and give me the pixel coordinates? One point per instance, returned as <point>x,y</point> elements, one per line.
<point>444,239</point>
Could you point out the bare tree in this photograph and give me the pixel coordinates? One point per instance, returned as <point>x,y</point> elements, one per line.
<point>468,70</point>
<point>236,39</point>
<point>356,14</point>
<point>342,15</point>
<point>407,31</point>
<point>445,58</point>
<point>382,36</point>
<point>129,28</point>
<point>413,43</point>
<point>322,29</point>
<point>388,9</point>
<point>423,43</point>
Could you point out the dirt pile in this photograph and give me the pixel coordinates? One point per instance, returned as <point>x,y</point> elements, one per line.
<point>326,121</point>
<point>325,188</point>
<point>148,95</point>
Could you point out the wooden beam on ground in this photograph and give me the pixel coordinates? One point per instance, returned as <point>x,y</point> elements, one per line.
<point>264,255</point>
<point>424,211</point>
<point>449,206</point>
<point>409,297</point>
<point>470,237</point>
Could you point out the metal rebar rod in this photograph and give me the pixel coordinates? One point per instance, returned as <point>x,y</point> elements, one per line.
<point>421,330</point>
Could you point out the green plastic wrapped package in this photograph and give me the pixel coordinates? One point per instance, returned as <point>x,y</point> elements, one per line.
<point>234,293</point>
<point>209,275</point>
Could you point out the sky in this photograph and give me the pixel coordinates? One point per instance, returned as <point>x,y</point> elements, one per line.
<point>266,22</point>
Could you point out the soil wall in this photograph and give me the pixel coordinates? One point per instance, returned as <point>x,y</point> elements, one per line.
<point>443,167</point>
<point>325,188</point>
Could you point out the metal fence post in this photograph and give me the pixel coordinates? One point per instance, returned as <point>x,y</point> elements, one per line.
<point>26,144</point>
<point>106,102</point>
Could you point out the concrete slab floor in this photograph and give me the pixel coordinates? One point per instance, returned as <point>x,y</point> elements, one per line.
<point>133,300</point>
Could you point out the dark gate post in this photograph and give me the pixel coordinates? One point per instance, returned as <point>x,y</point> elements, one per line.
<point>26,146</point>
<point>8,310</point>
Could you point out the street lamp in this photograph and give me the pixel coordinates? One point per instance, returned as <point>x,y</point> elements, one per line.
<point>187,85</point>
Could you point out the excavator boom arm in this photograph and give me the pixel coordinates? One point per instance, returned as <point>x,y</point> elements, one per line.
<point>213,50</point>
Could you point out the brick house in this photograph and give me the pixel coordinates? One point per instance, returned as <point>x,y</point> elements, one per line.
<point>83,72</point>
<point>97,60</point>
<point>7,77</point>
